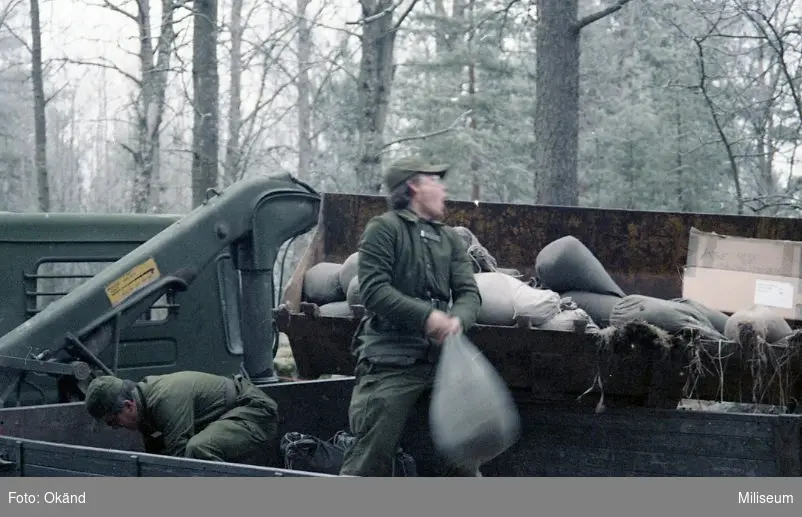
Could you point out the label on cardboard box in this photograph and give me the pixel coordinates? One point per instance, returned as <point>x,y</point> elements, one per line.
<point>732,291</point>
<point>772,293</point>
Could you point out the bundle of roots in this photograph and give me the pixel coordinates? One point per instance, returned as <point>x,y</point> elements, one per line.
<point>774,368</point>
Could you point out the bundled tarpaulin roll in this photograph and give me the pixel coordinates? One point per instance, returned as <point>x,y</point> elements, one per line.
<point>566,264</point>
<point>472,415</point>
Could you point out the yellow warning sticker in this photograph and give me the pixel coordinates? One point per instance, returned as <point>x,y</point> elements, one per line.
<point>136,278</point>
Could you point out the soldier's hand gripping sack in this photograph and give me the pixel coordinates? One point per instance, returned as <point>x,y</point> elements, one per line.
<point>472,415</point>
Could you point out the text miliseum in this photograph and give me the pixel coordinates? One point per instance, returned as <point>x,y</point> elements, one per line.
<point>758,498</point>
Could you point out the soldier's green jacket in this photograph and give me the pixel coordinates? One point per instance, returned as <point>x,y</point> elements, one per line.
<point>176,406</point>
<point>404,262</point>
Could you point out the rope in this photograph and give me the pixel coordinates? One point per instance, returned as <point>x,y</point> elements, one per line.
<point>478,254</point>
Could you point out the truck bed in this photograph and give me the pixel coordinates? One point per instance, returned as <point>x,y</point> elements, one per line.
<point>34,458</point>
<point>560,440</point>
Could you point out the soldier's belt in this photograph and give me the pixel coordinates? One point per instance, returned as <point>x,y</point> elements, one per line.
<point>438,304</point>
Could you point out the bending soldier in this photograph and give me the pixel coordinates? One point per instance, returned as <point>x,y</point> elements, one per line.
<point>411,266</point>
<point>191,414</point>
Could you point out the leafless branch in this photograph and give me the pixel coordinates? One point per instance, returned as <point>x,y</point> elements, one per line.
<point>100,63</point>
<point>7,10</point>
<point>106,4</point>
<point>312,22</point>
<point>430,134</point>
<point>405,14</point>
<point>381,14</point>
<point>14,34</point>
<point>717,123</point>
<point>598,15</point>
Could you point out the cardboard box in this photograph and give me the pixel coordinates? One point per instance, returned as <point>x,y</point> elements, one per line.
<point>733,273</point>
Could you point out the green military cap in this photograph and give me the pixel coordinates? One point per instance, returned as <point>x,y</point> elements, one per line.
<point>404,168</point>
<point>101,395</point>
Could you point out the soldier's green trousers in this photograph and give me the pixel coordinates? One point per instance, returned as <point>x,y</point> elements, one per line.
<point>382,401</point>
<point>244,434</point>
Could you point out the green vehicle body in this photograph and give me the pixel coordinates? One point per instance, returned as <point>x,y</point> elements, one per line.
<point>191,321</point>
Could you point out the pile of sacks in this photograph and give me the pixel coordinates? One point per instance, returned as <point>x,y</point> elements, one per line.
<point>571,291</point>
<point>568,267</point>
<point>333,287</point>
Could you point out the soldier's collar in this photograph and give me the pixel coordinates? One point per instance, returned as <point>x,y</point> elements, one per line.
<point>412,217</point>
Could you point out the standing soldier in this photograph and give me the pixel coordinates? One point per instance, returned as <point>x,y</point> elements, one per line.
<point>411,266</point>
<point>191,414</point>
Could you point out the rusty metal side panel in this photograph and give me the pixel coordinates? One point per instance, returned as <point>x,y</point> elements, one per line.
<point>549,365</point>
<point>559,366</point>
<point>643,251</point>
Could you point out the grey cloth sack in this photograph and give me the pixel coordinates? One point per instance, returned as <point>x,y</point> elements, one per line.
<point>566,264</point>
<point>322,283</point>
<point>472,415</point>
<point>717,318</point>
<point>666,314</point>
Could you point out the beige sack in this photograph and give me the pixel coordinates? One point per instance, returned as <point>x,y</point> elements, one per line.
<point>497,299</point>
<point>352,294</point>
<point>336,310</point>
<point>572,320</point>
<point>539,305</point>
<point>348,271</point>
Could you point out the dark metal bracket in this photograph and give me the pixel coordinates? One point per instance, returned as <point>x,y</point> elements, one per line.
<point>78,369</point>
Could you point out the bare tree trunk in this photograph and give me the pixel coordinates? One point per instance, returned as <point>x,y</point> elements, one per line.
<point>155,110</point>
<point>376,70</point>
<point>476,184</point>
<point>39,102</point>
<point>304,87</point>
<point>232,162</point>
<point>556,148</point>
<point>150,111</point>
<point>206,90</point>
